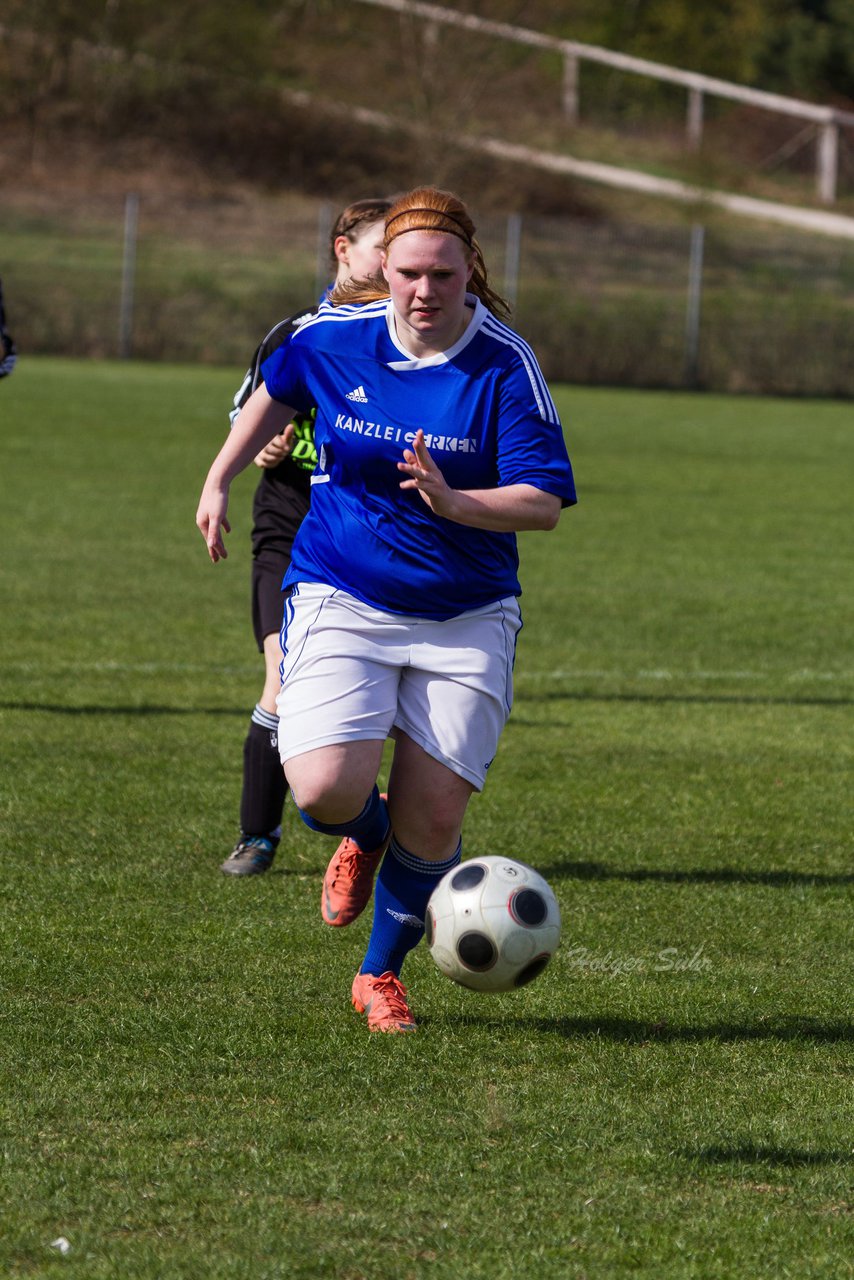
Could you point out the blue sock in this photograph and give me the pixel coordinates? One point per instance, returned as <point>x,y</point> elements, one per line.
<point>401,893</point>
<point>369,828</point>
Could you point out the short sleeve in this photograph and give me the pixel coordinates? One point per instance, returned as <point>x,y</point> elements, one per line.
<point>531,445</point>
<point>285,375</point>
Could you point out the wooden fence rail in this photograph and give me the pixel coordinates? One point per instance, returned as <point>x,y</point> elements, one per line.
<point>827,119</point>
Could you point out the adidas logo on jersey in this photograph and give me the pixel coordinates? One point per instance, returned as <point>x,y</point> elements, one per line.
<point>358,394</point>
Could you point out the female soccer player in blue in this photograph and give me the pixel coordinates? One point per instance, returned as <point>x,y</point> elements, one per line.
<point>437,442</point>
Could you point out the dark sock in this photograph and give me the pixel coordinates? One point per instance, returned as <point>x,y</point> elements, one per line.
<point>264,786</point>
<point>369,828</point>
<point>401,893</point>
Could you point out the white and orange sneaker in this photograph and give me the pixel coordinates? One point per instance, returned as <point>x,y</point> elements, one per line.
<point>383,999</point>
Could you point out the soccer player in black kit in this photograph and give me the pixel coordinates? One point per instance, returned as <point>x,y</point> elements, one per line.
<point>8,355</point>
<point>280,503</point>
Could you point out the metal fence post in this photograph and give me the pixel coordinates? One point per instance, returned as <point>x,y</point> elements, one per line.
<point>512,256</point>
<point>323,272</point>
<point>827,161</point>
<point>569,89</point>
<point>128,277</point>
<point>695,299</point>
<point>431,46</point>
<point>695,118</point>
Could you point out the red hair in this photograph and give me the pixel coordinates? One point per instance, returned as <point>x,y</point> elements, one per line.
<point>428,209</point>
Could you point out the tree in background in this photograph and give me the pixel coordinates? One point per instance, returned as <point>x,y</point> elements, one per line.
<point>718,37</point>
<point>110,63</point>
<point>206,75</point>
<point>800,47</point>
<point>809,49</point>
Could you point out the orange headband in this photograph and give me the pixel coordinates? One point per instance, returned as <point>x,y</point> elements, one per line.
<point>461,233</point>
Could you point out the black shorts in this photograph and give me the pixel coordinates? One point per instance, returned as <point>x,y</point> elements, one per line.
<point>268,598</point>
<point>279,508</point>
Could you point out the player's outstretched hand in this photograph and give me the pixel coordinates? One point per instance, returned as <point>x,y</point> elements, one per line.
<point>279,448</point>
<point>426,477</point>
<point>212,521</point>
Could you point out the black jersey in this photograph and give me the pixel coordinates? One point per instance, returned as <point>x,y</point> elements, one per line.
<point>282,497</point>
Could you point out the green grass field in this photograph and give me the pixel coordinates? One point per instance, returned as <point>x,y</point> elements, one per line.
<point>185,1090</point>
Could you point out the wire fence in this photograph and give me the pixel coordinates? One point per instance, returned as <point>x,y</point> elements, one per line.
<point>714,306</point>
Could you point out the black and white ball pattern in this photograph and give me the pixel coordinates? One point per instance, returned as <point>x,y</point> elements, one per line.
<point>492,924</point>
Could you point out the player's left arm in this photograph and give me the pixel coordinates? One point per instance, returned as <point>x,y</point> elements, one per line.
<point>510,508</point>
<point>533,472</point>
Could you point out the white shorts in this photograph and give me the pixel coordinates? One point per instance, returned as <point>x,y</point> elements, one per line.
<point>351,672</point>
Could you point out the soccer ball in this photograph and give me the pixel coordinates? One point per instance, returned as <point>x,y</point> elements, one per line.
<point>492,924</point>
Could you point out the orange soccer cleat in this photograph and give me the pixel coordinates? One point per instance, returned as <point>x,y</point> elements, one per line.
<point>383,999</point>
<point>349,881</point>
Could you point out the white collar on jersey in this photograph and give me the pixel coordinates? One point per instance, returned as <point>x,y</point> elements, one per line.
<point>441,357</point>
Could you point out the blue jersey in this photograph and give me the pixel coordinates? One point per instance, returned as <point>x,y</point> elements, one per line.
<point>488,421</point>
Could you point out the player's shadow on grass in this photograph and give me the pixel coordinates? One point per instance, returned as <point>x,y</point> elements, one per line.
<point>780,1157</point>
<point>715,875</point>
<point>516,721</point>
<point>90,709</point>
<point>636,1031</point>
<point>641,1032</point>
<point>716,699</point>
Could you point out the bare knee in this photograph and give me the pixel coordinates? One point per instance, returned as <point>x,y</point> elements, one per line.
<point>332,784</point>
<point>326,799</point>
<point>333,803</point>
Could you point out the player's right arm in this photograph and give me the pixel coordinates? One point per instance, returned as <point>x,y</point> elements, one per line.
<point>259,420</point>
<point>281,446</point>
